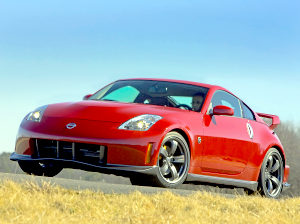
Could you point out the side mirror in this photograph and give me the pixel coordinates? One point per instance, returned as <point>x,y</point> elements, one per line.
<point>223,110</point>
<point>87,96</point>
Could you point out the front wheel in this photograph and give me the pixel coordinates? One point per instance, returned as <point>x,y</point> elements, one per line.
<point>271,174</point>
<point>173,161</point>
<point>173,164</point>
<point>47,169</point>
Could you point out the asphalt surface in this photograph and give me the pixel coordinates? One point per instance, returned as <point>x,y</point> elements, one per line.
<point>107,188</point>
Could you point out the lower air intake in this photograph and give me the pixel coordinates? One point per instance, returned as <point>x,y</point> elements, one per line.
<point>87,153</point>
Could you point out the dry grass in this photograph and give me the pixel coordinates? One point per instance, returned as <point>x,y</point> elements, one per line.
<point>29,203</point>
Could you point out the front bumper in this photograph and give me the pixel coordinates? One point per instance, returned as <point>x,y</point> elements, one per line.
<point>124,147</point>
<point>122,170</point>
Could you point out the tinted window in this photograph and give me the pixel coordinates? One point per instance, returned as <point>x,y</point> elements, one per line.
<point>124,94</point>
<point>226,99</point>
<point>161,93</point>
<point>247,113</point>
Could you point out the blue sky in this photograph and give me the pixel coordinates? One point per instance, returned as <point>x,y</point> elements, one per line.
<point>59,51</point>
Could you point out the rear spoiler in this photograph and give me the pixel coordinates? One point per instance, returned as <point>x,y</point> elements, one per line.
<point>275,119</point>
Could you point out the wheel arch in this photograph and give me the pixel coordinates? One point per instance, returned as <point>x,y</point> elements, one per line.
<point>184,135</point>
<point>281,152</point>
<point>279,149</point>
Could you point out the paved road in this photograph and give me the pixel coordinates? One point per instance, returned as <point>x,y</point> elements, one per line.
<point>82,184</point>
<point>107,188</point>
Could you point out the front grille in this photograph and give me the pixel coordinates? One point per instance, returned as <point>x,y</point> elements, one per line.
<point>88,153</point>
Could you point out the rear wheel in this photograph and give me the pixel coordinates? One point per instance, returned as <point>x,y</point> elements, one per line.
<point>271,174</point>
<point>48,169</point>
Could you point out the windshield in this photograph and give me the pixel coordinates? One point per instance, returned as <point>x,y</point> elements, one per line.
<point>161,93</point>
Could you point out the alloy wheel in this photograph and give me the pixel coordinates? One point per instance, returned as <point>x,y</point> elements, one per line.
<point>272,174</point>
<point>173,160</point>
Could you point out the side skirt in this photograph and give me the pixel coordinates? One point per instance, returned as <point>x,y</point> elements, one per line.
<point>252,185</point>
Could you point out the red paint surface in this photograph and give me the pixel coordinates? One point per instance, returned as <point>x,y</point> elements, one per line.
<point>226,150</point>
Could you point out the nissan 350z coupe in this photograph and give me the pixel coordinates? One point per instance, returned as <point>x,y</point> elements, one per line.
<point>157,132</point>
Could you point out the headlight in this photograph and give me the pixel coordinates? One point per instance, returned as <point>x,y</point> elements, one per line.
<point>140,123</point>
<point>37,114</point>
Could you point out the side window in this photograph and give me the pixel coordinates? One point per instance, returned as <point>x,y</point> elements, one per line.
<point>124,94</point>
<point>247,113</point>
<point>226,99</point>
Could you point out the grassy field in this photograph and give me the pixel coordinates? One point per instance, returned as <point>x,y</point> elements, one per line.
<point>30,203</point>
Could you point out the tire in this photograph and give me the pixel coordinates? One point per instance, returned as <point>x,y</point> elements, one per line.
<point>173,161</point>
<point>271,174</point>
<point>47,169</point>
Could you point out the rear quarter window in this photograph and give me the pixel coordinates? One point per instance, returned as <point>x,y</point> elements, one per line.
<point>247,112</point>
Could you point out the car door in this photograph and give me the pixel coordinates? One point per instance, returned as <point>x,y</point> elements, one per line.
<point>227,139</point>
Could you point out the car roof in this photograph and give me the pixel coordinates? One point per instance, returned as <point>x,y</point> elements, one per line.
<point>209,86</point>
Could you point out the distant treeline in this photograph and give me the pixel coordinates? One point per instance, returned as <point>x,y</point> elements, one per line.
<point>287,132</point>
<point>289,135</point>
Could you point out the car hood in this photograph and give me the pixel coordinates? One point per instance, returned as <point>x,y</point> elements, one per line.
<point>106,111</point>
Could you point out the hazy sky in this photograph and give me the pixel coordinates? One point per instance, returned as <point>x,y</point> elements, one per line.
<point>59,51</point>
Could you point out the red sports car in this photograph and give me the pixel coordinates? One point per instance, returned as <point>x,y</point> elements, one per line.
<point>158,132</point>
